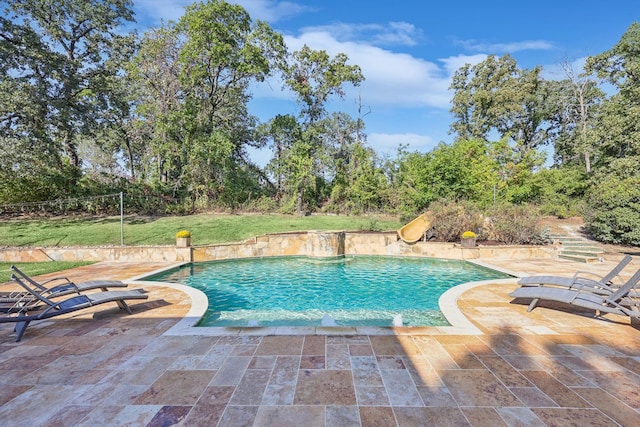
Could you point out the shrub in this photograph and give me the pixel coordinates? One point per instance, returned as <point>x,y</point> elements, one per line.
<point>371,224</point>
<point>180,208</point>
<point>560,191</point>
<point>517,225</point>
<point>613,212</point>
<point>469,235</point>
<point>452,219</point>
<point>182,234</point>
<point>263,204</point>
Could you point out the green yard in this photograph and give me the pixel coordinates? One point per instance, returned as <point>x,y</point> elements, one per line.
<point>36,268</point>
<point>204,228</point>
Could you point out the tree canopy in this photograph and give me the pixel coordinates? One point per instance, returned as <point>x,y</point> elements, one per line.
<point>57,60</point>
<point>496,96</point>
<point>87,107</point>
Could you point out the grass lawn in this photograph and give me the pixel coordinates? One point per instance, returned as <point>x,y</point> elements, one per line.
<point>36,268</point>
<point>205,228</point>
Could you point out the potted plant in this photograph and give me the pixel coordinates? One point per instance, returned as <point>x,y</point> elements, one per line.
<point>183,239</point>
<point>468,239</point>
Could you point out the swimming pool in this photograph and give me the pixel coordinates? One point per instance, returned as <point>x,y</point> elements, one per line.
<point>346,291</point>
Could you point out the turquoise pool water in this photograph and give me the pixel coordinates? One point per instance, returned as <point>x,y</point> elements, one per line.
<point>351,291</point>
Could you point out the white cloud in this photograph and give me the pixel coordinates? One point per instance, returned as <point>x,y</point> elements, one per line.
<point>507,47</point>
<point>454,63</point>
<point>272,88</point>
<point>557,71</point>
<point>394,33</point>
<point>271,10</point>
<point>155,11</point>
<point>391,78</point>
<point>400,33</point>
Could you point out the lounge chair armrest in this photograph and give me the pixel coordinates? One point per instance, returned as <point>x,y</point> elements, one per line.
<point>577,293</point>
<point>66,279</point>
<point>618,305</point>
<point>578,285</point>
<point>63,288</point>
<point>44,312</point>
<point>578,273</point>
<point>580,289</point>
<point>584,284</point>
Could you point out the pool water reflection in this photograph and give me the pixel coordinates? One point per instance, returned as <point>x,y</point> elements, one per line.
<point>345,291</point>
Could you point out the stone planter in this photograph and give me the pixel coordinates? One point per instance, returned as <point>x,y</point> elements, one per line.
<point>183,242</point>
<point>468,243</point>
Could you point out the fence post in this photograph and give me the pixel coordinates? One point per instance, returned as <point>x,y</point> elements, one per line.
<point>121,219</point>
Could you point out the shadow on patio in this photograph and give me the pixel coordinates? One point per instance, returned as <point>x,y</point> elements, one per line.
<point>547,367</point>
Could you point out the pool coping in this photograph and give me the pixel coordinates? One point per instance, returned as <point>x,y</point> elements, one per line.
<point>459,323</point>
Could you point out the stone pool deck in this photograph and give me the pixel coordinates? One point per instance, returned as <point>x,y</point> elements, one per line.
<point>553,366</point>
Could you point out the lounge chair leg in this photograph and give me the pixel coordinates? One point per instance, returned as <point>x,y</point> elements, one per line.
<point>533,304</point>
<point>123,305</point>
<point>20,328</point>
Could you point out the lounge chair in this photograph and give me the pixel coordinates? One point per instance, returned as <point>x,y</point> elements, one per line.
<point>618,302</point>
<point>607,279</point>
<point>598,284</point>
<point>41,307</point>
<point>67,287</point>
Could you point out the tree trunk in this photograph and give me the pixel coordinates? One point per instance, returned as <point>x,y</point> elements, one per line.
<point>300,200</point>
<point>161,172</point>
<point>72,150</point>
<point>587,162</point>
<point>132,170</point>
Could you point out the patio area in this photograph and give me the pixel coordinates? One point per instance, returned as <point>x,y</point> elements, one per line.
<point>551,367</point>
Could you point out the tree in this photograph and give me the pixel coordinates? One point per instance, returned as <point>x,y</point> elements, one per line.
<point>495,95</point>
<point>357,180</point>
<point>224,51</point>
<point>59,55</point>
<point>558,191</point>
<point>577,99</point>
<point>464,170</point>
<point>155,75</point>
<point>367,188</point>
<point>618,128</point>
<point>195,77</point>
<point>124,139</point>
<point>314,77</point>
<point>612,203</point>
<point>283,131</point>
<point>410,181</point>
<point>613,199</point>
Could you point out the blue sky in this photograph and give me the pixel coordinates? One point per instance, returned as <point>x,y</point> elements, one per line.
<point>409,50</point>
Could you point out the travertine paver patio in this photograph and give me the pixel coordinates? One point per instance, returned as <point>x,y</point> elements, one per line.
<point>102,367</point>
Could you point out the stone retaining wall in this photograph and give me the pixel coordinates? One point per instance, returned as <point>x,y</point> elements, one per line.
<point>312,243</point>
